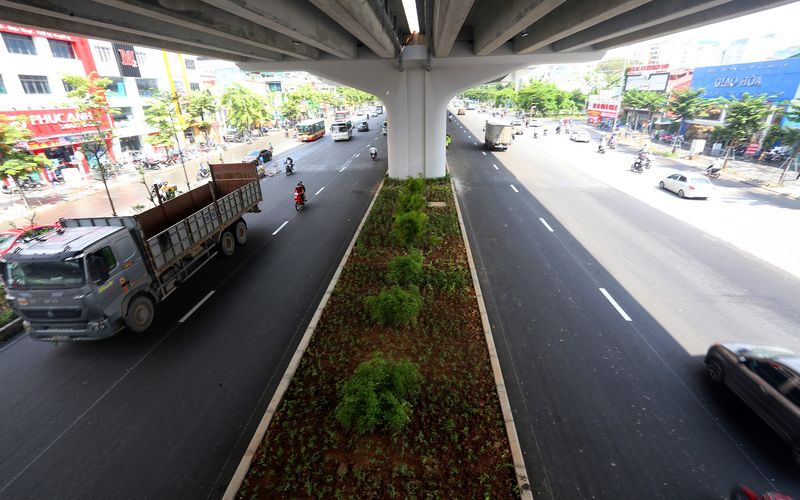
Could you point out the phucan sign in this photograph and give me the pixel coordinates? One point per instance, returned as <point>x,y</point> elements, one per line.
<point>48,123</point>
<point>778,79</point>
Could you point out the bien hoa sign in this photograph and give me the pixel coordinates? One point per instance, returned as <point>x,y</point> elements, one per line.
<point>46,123</point>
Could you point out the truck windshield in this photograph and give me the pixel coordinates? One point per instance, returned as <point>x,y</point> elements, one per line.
<point>45,274</point>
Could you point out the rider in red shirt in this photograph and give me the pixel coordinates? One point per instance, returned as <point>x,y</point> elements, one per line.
<point>300,190</point>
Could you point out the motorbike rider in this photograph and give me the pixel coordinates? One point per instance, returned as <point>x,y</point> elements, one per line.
<point>300,190</point>
<point>373,152</point>
<point>715,166</point>
<point>289,163</point>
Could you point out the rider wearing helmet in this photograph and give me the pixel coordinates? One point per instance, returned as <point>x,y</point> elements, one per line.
<point>373,151</point>
<point>300,190</point>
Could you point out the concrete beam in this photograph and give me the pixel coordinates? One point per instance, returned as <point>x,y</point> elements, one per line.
<point>362,21</point>
<point>571,18</point>
<point>730,10</point>
<point>70,27</point>
<point>217,22</point>
<point>647,15</point>
<point>499,24</point>
<point>295,19</point>
<point>101,16</point>
<point>448,17</point>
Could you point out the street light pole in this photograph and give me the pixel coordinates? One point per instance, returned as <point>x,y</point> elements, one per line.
<point>178,142</point>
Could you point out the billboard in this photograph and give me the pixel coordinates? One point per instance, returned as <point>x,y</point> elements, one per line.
<point>778,79</point>
<point>653,81</point>
<point>126,60</point>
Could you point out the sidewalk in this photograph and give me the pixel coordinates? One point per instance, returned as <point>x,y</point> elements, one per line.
<point>762,176</point>
<point>127,190</point>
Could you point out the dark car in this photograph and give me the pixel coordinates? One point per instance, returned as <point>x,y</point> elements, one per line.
<point>767,379</point>
<point>363,127</point>
<point>254,154</point>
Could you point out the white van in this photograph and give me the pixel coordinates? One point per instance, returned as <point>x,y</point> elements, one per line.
<point>342,131</point>
<point>519,126</point>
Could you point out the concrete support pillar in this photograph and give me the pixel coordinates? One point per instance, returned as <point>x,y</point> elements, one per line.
<point>415,92</point>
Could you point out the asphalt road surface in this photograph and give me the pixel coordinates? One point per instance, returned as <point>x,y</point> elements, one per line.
<point>602,306</point>
<point>168,414</point>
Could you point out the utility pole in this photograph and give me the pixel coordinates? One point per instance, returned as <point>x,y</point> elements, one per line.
<point>178,142</point>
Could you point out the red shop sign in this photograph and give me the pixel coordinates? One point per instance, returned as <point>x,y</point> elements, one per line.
<point>46,123</point>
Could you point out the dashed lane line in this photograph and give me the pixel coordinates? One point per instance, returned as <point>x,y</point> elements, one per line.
<point>546,224</point>
<point>196,307</point>
<point>514,188</point>
<point>320,190</point>
<point>279,228</point>
<point>616,306</point>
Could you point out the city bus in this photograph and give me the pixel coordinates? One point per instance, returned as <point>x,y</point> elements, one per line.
<point>311,130</point>
<point>342,130</point>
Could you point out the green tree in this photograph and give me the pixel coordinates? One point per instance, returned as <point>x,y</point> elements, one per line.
<point>606,75</point>
<point>539,97</point>
<point>687,104</point>
<point>579,98</point>
<point>643,100</point>
<point>745,117</point>
<point>199,107</point>
<point>160,114</point>
<point>88,95</point>
<point>246,109</point>
<point>481,93</point>
<point>15,161</point>
<point>353,97</point>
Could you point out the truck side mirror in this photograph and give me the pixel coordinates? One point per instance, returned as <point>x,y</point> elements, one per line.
<point>98,270</point>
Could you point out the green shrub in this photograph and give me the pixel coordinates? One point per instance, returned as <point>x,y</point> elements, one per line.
<point>407,202</point>
<point>377,395</point>
<point>414,185</point>
<point>408,226</point>
<point>406,269</point>
<point>395,306</point>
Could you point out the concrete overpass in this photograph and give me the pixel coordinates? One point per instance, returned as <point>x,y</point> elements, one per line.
<point>367,43</point>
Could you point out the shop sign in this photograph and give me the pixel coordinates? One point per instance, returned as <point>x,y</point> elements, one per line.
<point>779,79</point>
<point>19,30</point>
<point>46,123</point>
<point>633,70</point>
<point>126,60</point>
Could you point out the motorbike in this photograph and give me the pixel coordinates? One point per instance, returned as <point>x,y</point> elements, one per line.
<point>742,492</point>
<point>299,201</point>
<point>601,148</point>
<point>535,134</point>
<point>713,171</point>
<point>203,173</point>
<point>289,167</point>
<point>374,156</point>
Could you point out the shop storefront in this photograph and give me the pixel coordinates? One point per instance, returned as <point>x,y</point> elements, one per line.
<point>58,134</point>
<point>602,111</point>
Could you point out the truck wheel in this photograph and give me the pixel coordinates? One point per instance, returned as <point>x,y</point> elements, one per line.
<point>227,243</point>
<point>140,314</point>
<point>240,232</point>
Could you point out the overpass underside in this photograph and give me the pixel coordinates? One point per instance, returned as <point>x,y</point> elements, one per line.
<point>368,44</point>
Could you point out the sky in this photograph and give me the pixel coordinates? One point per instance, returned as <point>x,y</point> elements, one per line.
<point>780,20</point>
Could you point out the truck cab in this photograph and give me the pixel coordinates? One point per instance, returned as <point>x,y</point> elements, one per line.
<point>76,283</point>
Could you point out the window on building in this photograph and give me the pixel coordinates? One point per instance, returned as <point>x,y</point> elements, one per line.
<point>189,63</point>
<point>117,86</point>
<point>103,53</point>
<point>179,86</point>
<point>147,86</point>
<point>62,49</point>
<point>132,143</point>
<point>19,44</point>
<point>123,117</point>
<point>34,84</point>
<point>67,86</point>
<point>194,86</point>
<point>141,58</point>
<point>2,86</point>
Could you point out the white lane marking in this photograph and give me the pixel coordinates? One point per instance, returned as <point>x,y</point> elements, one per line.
<point>357,155</point>
<point>546,224</point>
<point>495,167</point>
<point>342,170</point>
<point>616,306</point>
<point>196,307</point>
<point>279,228</point>
<point>484,153</point>
<point>475,143</point>
<point>320,190</point>
<point>514,188</point>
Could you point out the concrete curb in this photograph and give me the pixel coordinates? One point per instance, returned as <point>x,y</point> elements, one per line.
<point>283,386</point>
<point>505,405</point>
<point>11,329</point>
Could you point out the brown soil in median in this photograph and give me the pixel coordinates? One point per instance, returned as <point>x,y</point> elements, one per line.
<point>455,444</point>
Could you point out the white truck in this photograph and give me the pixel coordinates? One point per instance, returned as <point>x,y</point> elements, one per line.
<point>498,134</point>
<point>92,277</point>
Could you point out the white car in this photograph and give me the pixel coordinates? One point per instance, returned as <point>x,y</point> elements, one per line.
<point>688,185</point>
<point>535,123</point>
<point>580,136</point>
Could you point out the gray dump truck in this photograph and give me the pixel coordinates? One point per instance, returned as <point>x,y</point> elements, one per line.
<point>93,277</point>
<point>498,134</point>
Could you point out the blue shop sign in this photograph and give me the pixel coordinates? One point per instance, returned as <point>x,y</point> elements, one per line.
<point>778,79</point>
